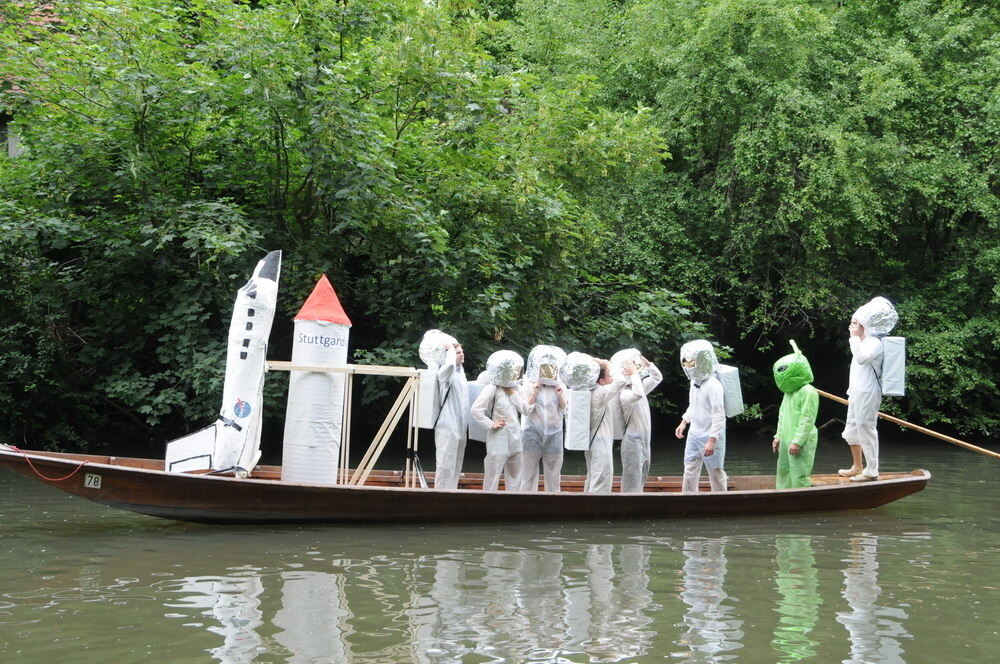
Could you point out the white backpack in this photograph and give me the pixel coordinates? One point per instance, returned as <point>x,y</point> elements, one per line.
<point>732,394</point>
<point>893,377</point>
<point>427,405</point>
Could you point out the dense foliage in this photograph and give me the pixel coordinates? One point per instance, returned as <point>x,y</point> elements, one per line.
<point>596,174</point>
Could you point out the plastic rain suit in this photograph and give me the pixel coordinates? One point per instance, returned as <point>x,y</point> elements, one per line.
<point>864,398</point>
<point>864,389</point>
<point>542,438</point>
<point>600,459</point>
<point>503,444</point>
<point>706,416</point>
<point>638,429</point>
<point>451,430</point>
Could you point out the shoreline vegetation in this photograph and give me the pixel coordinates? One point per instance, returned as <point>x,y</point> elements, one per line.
<point>595,175</point>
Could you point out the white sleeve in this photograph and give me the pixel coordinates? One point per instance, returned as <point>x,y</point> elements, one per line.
<point>486,396</point>
<point>446,371</point>
<point>519,402</point>
<point>718,410</point>
<point>604,393</point>
<point>687,413</point>
<point>529,407</point>
<point>867,351</point>
<point>652,380</point>
<point>632,396</point>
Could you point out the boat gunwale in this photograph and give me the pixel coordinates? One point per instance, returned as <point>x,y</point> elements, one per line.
<point>82,460</point>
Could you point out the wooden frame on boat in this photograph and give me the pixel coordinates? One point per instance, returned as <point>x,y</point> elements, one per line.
<point>405,401</point>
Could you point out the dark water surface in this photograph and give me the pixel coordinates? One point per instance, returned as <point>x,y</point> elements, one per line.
<point>913,581</point>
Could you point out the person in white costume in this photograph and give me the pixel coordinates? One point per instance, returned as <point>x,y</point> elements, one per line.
<point>869,323</point>
<point>638,428</point>
<point>498,408</point>
<point>542,437</point>
<point>600,460</point>
<point>706,415</point>
<point>452,427</point>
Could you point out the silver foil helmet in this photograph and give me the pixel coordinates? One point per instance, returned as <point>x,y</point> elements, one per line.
<point>626,356</point>
<point>878,316</point>
<point>504,368</point>
<point>434,348</point>
<point>698,360</point>
<point>544,363</point>
<point>580,371</point>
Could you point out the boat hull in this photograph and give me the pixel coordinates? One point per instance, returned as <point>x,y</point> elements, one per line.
<point>138,485</point>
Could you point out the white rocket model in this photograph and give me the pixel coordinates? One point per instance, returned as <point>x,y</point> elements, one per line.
<point>233,441</point>
<point>314,419</point>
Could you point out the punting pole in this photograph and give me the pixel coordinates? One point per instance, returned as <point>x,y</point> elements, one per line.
<point>345,448</point>
<point>407,467</point>
<point>935,434</point>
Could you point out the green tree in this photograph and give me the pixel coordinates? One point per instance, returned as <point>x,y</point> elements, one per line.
<point>169,146</point>
<point>821,153</point>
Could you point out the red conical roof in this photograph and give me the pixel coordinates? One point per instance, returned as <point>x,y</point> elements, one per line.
<point>323,304</point>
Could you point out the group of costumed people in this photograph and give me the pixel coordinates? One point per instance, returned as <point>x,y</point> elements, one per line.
<point>523,412</point>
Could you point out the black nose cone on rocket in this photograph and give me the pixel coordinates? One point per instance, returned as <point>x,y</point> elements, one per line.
<point>271,266</point>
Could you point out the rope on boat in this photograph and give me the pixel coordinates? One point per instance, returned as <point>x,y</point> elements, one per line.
<point>39,473</point>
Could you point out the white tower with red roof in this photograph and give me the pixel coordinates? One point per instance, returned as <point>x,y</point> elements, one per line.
<point>315,415</point>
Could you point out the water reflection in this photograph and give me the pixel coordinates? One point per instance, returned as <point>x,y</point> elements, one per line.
<point>545,602</point>
<point>798,609</point>
<point>874,631</point>
<point>313,617</point>
<point>235,605</point>
<point>621,624</point>
<point>530,605</point>
<point>438,621</point>
<point>709,626</point>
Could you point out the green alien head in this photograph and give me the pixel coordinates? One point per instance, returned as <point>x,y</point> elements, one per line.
<point>792,372</point>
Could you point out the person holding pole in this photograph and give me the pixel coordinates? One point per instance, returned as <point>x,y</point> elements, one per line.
<point>869,323</point>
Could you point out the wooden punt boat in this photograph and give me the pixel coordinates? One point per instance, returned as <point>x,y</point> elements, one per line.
<point>141,485</point>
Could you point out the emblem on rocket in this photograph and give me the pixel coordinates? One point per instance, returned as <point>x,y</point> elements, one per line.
<point>232,442</point>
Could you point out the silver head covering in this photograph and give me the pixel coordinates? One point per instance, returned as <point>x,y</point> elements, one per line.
<point>434,348</point>
<point>698,360</point>
<point>623,357</point>
<point>504,368</point>
<point>580,371</point>
<point>544,362</point>
<point>878,316</point>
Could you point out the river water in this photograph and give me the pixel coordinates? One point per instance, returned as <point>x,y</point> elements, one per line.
<point>914,581</point>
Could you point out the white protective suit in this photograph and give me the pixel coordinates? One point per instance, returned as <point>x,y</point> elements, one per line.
<point>600,460</point>
<point>864,398</point>
<point>706,416</point>
<point>451,430</point>
<point>638,433</point>
<point>542,438</point>
<point>503,444</point>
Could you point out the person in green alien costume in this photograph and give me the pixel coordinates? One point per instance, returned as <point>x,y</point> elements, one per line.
<point>796,439</point>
